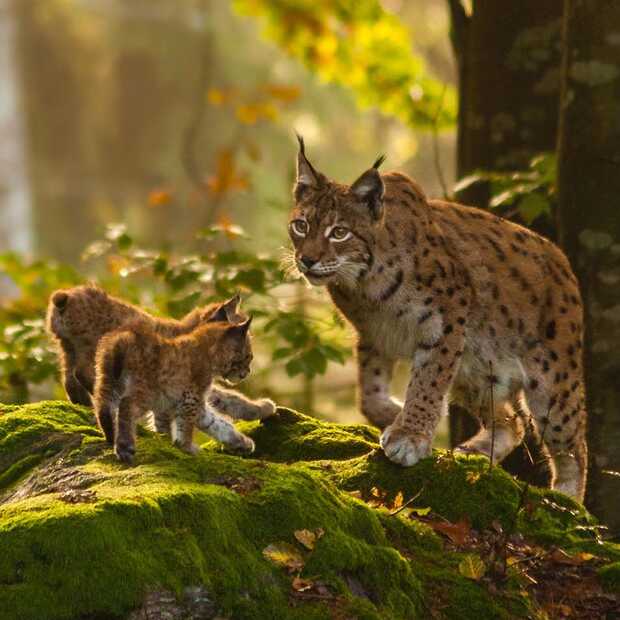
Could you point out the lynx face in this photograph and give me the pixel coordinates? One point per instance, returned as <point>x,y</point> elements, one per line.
<point>331,225</point>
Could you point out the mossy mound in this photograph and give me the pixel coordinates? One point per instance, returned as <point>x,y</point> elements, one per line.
<point>83,537</point>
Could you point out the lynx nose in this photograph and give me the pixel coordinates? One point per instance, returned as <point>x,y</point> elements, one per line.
<point>307,262</point>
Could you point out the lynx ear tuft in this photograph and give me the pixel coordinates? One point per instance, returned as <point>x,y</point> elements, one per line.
<point>378,162</point>
<point>369,189</point>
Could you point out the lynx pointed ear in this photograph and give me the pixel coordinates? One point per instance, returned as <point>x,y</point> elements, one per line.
<point>232,305</point>
<point>306,174</point>
<point>369,189</point>
<point>227,311</point>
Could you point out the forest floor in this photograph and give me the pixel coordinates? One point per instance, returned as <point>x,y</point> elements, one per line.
<point>316,524</point>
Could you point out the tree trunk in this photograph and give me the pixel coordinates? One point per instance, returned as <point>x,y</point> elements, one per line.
<point>509,55</point>
<point>15,200</point>
<point>589,224</point>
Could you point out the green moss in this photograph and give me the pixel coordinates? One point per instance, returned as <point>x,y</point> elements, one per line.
<point>610,576</point>
<point>174,520</point>
<point>292,436</point>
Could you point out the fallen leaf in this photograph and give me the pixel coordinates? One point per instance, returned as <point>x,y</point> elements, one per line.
<point>561,557</point>
<point>398,501</point>
<point>306,538</point>
<point>284,554</point>
<point>301,585</point>
<point>472,567</point>
<point>473,477</point>
<point>458,532</point>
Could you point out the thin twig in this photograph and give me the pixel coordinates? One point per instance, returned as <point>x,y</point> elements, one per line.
<point>407,503</point>
<point>492,382</point>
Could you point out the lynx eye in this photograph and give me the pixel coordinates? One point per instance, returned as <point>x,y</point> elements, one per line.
<point>339,233</point>
<point>299,227</point>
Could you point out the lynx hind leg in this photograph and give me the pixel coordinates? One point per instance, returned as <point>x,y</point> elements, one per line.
<point>555,398</point>
<point>77,392</point>
<point>162,422</point>
<point>374,377</point>
<point>499,438</point>
<point>224,431</point>
<point>238,406</point>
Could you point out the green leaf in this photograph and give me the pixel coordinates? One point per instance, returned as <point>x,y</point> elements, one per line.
<point>472,567</point>
<point>180,307</point>
<point>533,206</point>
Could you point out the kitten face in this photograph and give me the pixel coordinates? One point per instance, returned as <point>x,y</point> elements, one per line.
<point>236,352</point>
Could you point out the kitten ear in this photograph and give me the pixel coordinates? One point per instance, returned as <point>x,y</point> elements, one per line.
<point>369,188</point>
<point>232,306</point>
<point>239,330</point>
<point>227,311</point>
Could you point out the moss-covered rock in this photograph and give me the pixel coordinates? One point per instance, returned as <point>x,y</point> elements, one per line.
<point>82,536</point>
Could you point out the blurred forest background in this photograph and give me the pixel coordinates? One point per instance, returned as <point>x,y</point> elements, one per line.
<point>149,146</point>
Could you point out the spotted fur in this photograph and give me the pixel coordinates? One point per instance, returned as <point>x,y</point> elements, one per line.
<point>79,317</point>
<point>472,300</point>
<point>138,370</point>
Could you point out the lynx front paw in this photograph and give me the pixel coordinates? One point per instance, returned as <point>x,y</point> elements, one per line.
<point>267,408</point>
<point>404,448</point>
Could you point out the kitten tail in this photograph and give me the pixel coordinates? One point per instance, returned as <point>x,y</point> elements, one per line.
<point>109,388</point>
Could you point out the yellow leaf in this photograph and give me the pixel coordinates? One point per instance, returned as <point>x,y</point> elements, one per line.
<point>398,501</point>
<point>473,477</point>
<point>285,555</point>
<point>306,538</point>
<point>226,177</point>
<point>216,97</point>
<point>285,94</point>
<point>247,114</point>
<point>117,265</point>
<point>472,567</point>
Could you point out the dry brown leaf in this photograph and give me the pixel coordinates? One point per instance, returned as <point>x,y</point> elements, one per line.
<point>306,538</point>
<point>301,585</point>
<point>457,532</point>
<point>561,557</point>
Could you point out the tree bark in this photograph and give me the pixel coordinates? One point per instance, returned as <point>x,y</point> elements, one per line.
<point>509,57</point>
<point>589,224</point>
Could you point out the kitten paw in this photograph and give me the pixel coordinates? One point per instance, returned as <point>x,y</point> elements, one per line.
<point>242,444</point>
<point>404,448</point>
<point>125,454</point>
<point>267,408</point>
